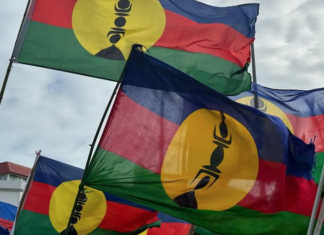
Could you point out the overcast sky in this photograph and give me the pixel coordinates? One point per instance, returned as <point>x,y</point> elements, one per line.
<point>59,112</point>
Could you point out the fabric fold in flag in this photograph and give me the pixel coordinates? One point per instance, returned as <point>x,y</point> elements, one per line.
<point>51,197</point>
<point>169,226</point>
<point>179,147</point>
<point>302,111</point>
<point>94,38</point>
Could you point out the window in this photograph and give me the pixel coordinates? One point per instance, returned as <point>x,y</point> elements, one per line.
<point>3,177</point>
<point>14,178</point>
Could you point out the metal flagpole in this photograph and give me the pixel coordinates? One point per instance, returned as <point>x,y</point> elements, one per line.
<point>22,200</point>
<point>319,223</point>
<point>192,229</point>
<point>4,84</point>
<point>11,60</point>
<point>316,203</point>
<point>254,77</point>
<point>81,187</point>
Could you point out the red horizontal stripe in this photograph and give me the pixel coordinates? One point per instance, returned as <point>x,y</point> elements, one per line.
<point>124,218</point>
<point>180,33</point>
<point>6,224</point>
<point>215,39</point>
<point>131,123</point>
<point>170,228</point>
<point>308,127</point>
<point>54,12</point>
<point>39,197</point>
<point>274,191</point>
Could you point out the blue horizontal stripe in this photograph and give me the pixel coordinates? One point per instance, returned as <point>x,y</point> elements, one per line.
<point>169,219</point>
<point>113,198</point>
<point>242,18</point>
<point>49,171</point>
<point>7,211</point>
<point>174,95</point>
<point>301,103</point>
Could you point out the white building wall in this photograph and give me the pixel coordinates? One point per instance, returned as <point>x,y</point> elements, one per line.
<point>11,191</point>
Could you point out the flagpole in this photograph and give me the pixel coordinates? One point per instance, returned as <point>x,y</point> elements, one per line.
<point>4,84</point>
<point>319,223</point>
<point>254,77</point>
<point>81,187</point>
<point>192,229</point>
<point>11,60</point>
<point>28,183</point>
<point>316,203</point>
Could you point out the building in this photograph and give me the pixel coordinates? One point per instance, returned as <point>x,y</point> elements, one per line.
<point>12,182</point>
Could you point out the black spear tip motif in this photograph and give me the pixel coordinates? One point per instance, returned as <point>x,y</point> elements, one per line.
<point>76,216</point>
<point>123,4</point>
<point>120,21</point>
<point>117,32</point>
<point>71,232</point>
<point>188,199</point>
<point>222,127</point>
<point>112,53</point>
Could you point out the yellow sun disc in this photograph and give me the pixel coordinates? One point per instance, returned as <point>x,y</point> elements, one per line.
<point>214,153</point>
<point>91,215</point>
<point>108,28</point>
<point>269,108</point>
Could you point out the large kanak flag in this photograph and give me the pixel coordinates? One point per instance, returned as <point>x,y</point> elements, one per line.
<point>94,38</point>
<point>179,147</point>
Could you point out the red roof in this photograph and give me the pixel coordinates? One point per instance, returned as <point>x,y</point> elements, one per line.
<point>9,167</point>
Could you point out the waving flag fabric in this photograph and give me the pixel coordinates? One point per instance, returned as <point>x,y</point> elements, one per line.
<point>169,226</point>
<point>302,111</point>
<point>95,37</point>
<point>51,197</point>
<point>7,217</point>
<point>181,148</point>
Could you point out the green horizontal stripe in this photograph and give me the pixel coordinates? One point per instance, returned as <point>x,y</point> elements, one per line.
<point>217,73</point>
<point>318,168</point>
<point>57,48</point>
<point>202,231</point>
<point>31,223</point>
<point>112,173</point>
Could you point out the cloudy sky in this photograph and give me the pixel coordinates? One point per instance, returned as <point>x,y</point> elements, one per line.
<point>59,112</point>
